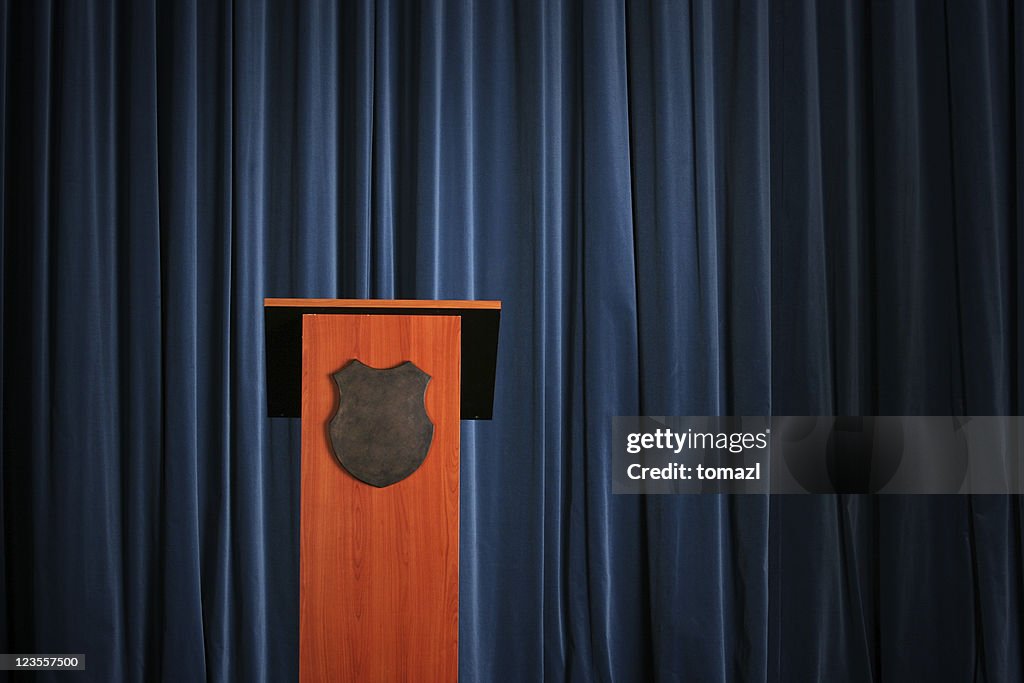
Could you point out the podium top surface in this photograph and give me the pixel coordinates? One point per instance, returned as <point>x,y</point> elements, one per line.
<point>283,329</point>
<point>385,303</point>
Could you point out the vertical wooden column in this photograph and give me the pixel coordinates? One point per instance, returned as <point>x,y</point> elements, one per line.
<point>379,577</point>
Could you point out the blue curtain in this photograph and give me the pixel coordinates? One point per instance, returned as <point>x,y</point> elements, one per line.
<point>765,207</point>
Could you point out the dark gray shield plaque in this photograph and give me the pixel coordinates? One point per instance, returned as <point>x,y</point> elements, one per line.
<point>381,432</point>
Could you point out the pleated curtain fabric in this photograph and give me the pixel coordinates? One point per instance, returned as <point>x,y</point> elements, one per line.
<point>687,208</point>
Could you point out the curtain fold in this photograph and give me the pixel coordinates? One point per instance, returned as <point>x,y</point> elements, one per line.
<point>687,208</point>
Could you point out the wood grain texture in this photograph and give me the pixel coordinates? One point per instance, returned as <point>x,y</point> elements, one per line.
<point>384,303</point>
<point>379,576</point>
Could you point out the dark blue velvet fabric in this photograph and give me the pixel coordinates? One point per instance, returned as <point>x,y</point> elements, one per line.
<point>764,207</point>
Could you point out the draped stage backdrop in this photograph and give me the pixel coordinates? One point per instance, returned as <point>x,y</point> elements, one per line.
<point>687,208</point>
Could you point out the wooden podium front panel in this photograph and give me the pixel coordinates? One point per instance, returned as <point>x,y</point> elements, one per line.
<point>379,577</point>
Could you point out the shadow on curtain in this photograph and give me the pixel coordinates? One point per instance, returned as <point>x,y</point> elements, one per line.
<point>686,208</point>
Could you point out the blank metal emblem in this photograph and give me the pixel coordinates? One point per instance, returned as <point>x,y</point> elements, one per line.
<point>381,432</point>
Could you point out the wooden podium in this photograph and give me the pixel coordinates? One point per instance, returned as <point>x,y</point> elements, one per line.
<point>379,566</point>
